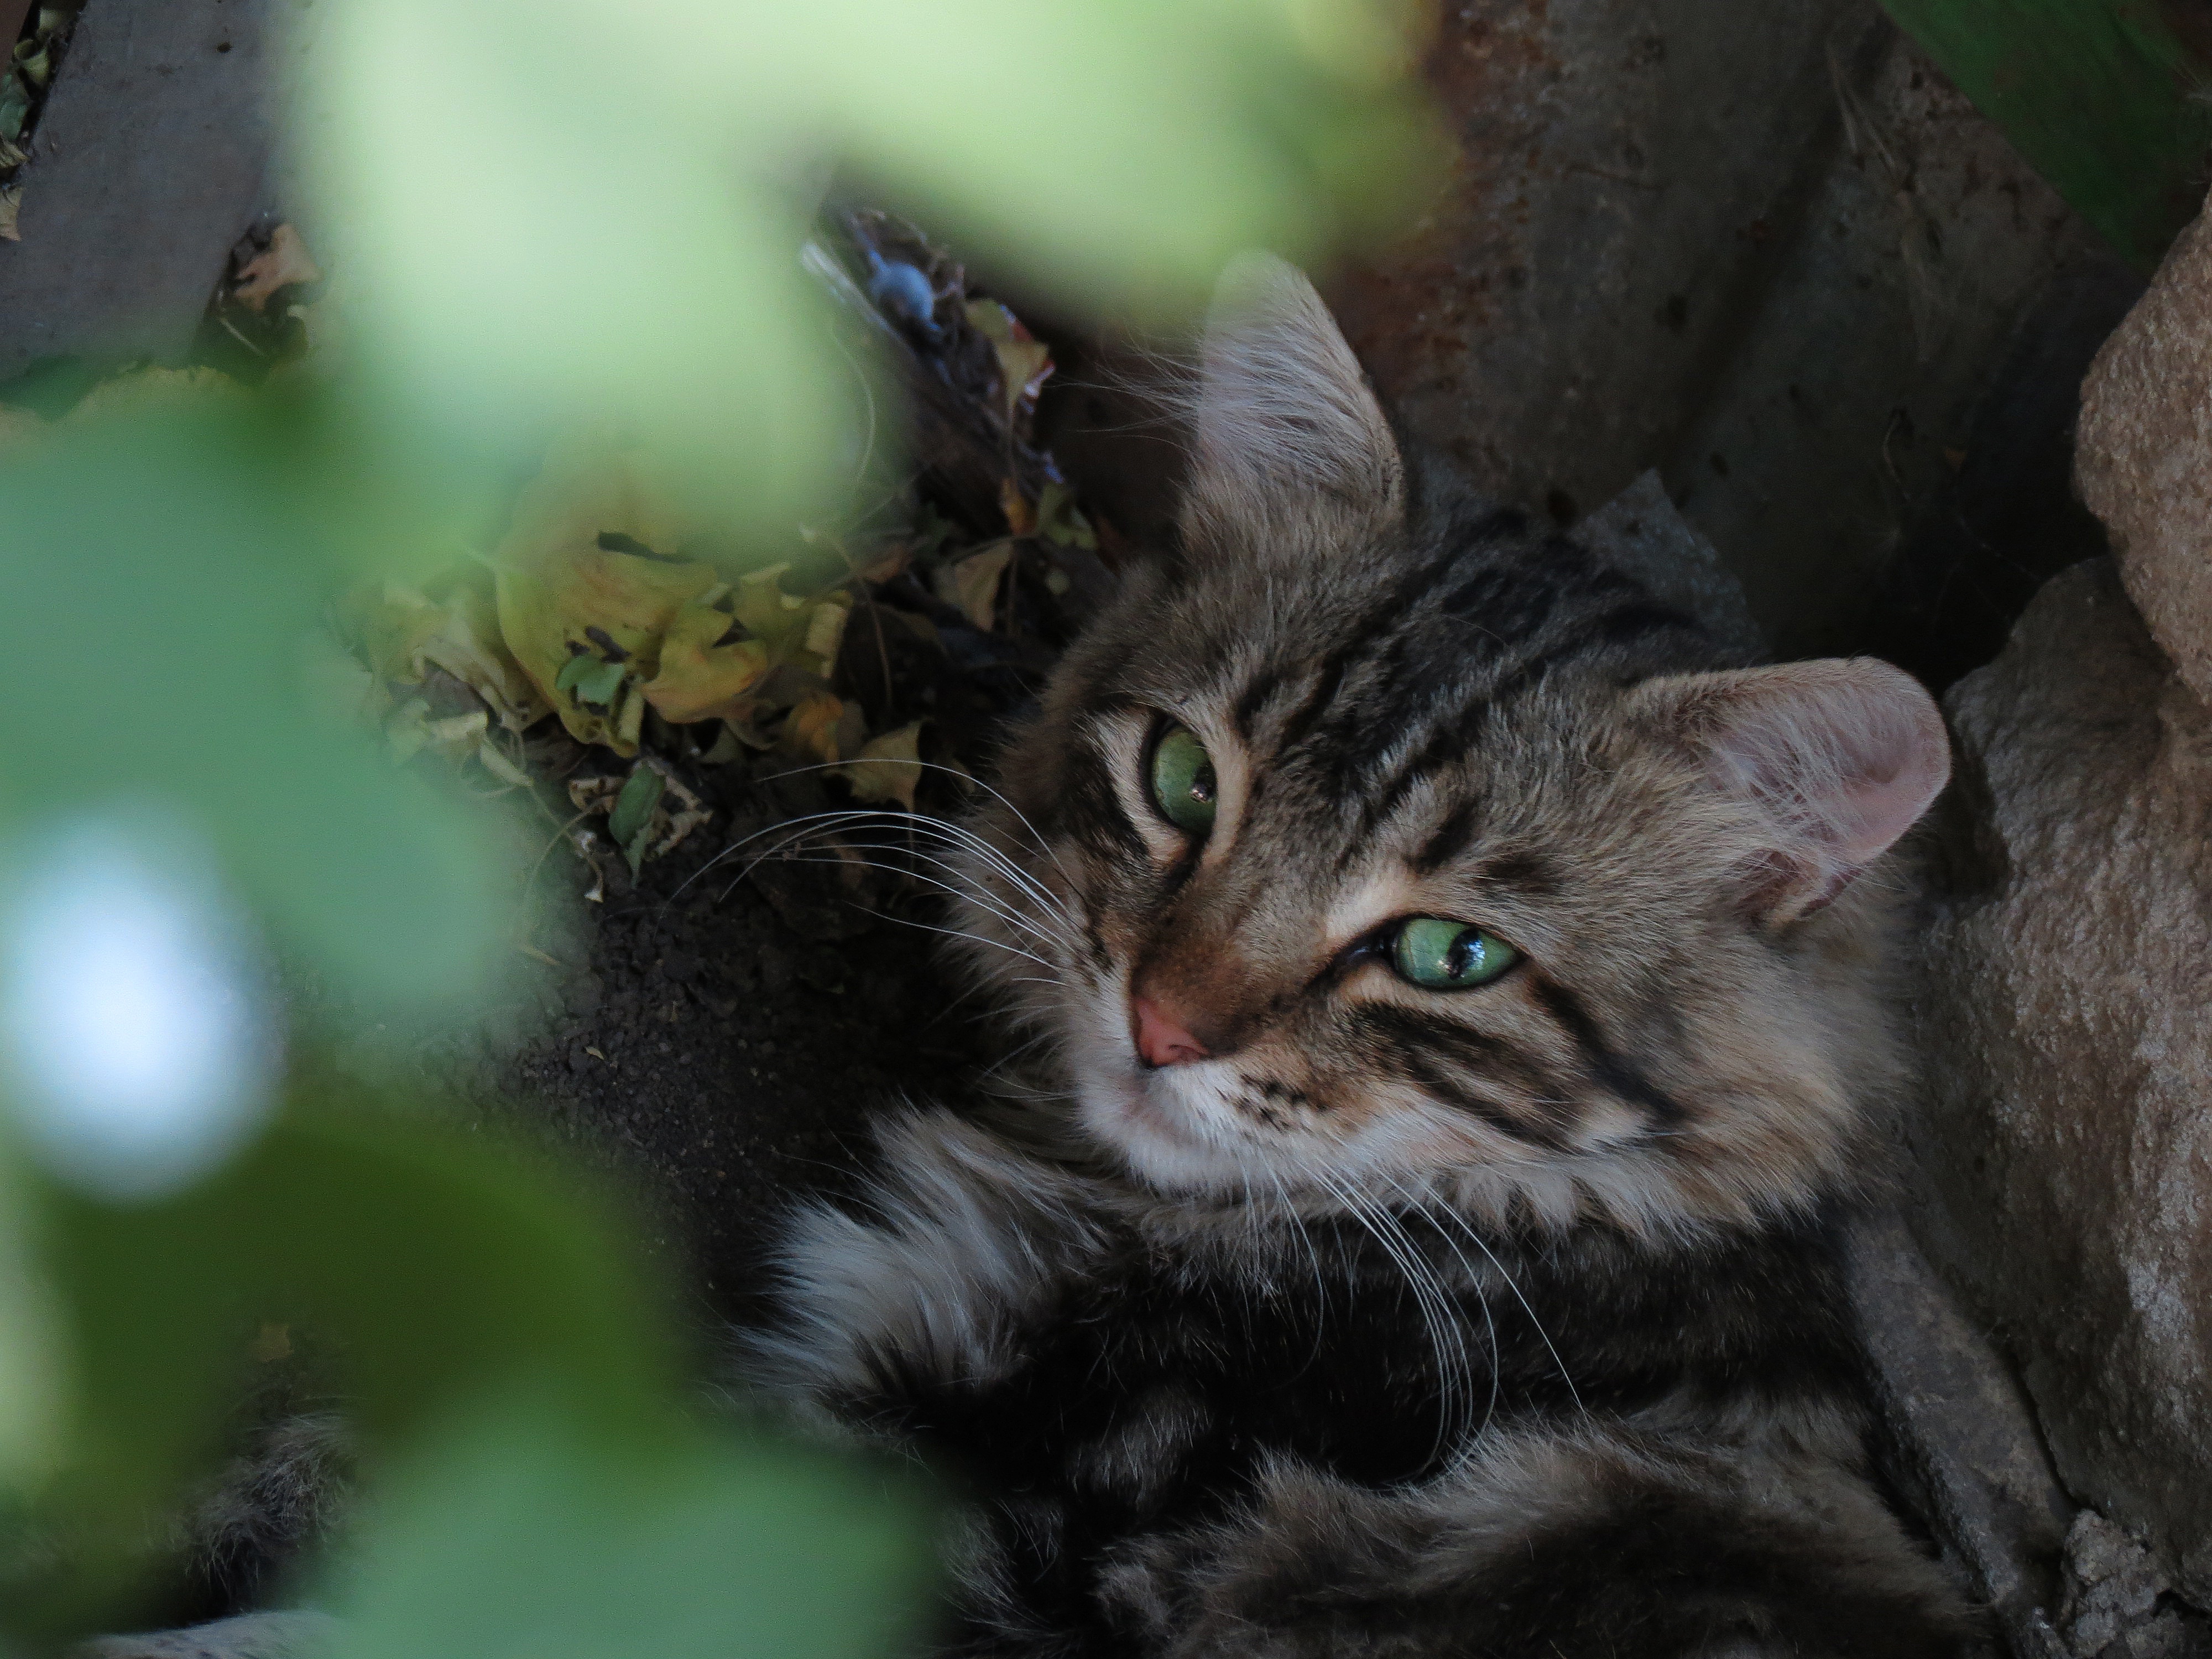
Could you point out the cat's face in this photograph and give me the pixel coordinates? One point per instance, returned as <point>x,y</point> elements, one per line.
<point>1371,846</point>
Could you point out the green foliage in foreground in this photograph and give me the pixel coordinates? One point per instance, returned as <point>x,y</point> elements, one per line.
<point>537,224</point>
<point>2105,98</point>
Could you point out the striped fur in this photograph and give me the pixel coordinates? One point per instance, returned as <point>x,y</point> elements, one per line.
<point>1498,1321</point>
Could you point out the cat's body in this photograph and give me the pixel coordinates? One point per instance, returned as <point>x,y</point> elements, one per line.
<point>1322,1302</point>
<point>1236,1435</point>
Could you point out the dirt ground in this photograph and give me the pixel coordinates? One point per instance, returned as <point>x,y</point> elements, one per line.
<point>722,1059</point>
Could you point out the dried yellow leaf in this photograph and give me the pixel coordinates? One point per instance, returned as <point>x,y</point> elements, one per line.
<point>587,566</point>
<point>812,727</point>
<point>825,630</point>
<point>888,768</point>
<point>1024,361</point>
<point>708,669</point>
<point>972,583</point>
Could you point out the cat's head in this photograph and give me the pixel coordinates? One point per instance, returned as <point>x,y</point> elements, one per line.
<point>1375,842</point>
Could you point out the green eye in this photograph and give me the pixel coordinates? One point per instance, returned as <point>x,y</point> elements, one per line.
<point>1182,781</point>
<point>1449,955</point>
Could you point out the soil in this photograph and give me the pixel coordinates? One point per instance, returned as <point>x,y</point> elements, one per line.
<point>722,1058</point>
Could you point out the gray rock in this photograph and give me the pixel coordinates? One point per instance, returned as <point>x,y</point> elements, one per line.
<point>2112,1585</point>
<point>1641,532</point>
<point>1961,1437</point>
<point>153,155</point>
<point>1769,249</point>
<point>2117,1602</point>
<point>296,1635</point>
<point>2067,1135</point>
<point>2144,459</point>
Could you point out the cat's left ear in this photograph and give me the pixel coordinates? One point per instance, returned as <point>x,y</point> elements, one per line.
<point>1287,430</point>
<point>1839,758</point>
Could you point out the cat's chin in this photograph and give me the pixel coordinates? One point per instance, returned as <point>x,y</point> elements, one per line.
<point>1159,1139</point>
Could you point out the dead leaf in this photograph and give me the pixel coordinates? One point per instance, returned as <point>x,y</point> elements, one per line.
<point>11,206</point>
<point>493,760</point>
<point>825,630</point>
<point>594,794</point>
<point>405,633</point>
<point>1021,517</point>
<point>1024,361</point>
<point>812,729</point>
<point>283,264</point>
<point>890,560</point>
<point>649,811</point>
<point>888,768</point>
<point>671,827</point>
<point>588,566</point>
<point>1061,521</point>
<point>456,737</point>
<point>709,666</point>
<point>972,583</point>
<point>405,729</point>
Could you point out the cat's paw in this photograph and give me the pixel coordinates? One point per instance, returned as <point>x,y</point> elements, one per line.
<point>299,1635</point>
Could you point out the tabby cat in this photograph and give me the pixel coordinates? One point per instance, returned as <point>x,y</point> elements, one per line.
<point>1458,987</point>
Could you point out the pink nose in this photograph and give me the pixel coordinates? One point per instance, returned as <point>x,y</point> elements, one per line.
<point>1160,1040</point>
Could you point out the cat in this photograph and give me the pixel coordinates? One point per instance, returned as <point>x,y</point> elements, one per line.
<point>1457,986</point>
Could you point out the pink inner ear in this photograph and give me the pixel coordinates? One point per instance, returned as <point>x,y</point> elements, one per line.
<point>1844,754</point>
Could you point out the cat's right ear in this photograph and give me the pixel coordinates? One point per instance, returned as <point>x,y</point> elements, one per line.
<point>1288,437</point>
<point>1838,758</point>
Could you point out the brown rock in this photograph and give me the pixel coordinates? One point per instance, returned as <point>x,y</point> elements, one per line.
<point>2067,1136</point>
<point>2144,459</point>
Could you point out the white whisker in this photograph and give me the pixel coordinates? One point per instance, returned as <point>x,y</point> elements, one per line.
<point>1480,1243</point>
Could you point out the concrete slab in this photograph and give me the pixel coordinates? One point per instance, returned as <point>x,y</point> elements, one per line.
<point>150,162</point>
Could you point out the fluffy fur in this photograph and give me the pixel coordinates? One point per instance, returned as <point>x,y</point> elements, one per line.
<point>1504,1320</point>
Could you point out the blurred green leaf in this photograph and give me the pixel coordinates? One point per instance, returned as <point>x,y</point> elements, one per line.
<point>2104,98</point>
<point>169,574</point>
<point>511,1537</point>
<point>34,1365</point>
<point>1119,151</point>
<point>512,274</point>
<point>437,1266</point>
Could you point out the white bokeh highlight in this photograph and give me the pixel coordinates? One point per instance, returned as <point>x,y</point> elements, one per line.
<point>136,1052</point>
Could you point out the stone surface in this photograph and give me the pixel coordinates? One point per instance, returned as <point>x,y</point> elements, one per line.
<point>1960,1439</point>
<point>2111,1583</point>
<point>153,155</point>
<point>1769,250</point>
<point>1641,531</point>
<point>299,1635</point>
<point>2066,1138</point>
<point>2144,462</point>
<point>2118,1604</point>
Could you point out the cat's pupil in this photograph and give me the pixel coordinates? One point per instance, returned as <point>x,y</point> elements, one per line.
<point>1183,783</point>
<point>1445,955</point>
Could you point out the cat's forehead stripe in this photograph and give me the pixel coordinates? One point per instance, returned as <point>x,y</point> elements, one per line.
<point>1456,730</point>
<point>1378,623</point>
